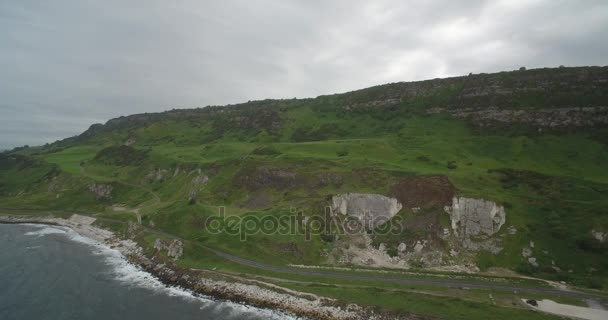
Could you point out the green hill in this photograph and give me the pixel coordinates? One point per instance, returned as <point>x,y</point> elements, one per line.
<point>533,142</point>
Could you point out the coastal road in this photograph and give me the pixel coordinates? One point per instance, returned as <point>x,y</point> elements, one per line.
<point>406,280</point>
<point>403,280</point>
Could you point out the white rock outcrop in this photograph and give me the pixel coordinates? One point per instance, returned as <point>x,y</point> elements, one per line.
<point>473,217</point>
<point>402,247</point>
<point>599,236</point>
<point>175,249</point>
<point>362,205</point>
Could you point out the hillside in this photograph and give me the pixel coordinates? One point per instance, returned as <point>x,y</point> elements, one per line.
<point>479,173</point>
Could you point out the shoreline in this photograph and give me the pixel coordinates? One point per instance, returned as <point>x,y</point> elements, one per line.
<point>250,292</point>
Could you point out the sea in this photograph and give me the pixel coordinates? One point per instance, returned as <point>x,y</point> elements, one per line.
<point>49,272</point>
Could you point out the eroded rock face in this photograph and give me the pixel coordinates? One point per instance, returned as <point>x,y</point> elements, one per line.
<point>474,217</point>
<point>364,206</point>
<point>197,185</point>
<point>101,191</point>
<point>546,118</point>
<point>174,250</point>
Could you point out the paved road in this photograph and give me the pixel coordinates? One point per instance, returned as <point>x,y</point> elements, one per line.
<point>405,280</point>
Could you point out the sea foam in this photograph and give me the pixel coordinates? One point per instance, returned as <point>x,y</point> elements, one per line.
<point>133,275</point>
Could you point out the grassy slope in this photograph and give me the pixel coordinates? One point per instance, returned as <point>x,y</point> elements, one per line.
<point>422,146</point>
<point>555,201</point>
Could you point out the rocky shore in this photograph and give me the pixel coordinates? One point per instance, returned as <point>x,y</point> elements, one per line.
<point>210,283</point>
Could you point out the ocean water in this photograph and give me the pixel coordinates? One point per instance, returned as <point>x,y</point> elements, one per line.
<point>53,273</point>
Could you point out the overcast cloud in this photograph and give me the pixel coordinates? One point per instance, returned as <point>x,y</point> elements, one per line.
<point>66,64</point>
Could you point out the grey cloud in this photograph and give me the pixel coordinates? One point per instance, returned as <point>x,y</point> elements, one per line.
<point>66,64</point>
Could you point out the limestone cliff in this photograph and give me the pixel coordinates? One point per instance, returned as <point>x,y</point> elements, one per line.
<point>364,206</point>
<point>475,217</point>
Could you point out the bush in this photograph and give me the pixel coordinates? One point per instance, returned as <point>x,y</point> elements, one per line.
<point>451,165</point>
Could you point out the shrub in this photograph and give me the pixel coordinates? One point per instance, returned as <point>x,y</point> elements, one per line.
<point>451,165</point>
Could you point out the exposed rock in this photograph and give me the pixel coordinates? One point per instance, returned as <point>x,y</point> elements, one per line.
<point>599,236</point>
<point>473,217</point>
<point>531,244</point>
<point>101,191</point>
<point>532,261</point>
<point>402,247</point>
<point>200,180</point>
<point>446,232</point>
<point>174,250</point>
<point>492,245</point>
<point>382,247</point>
<point>453,253</point>
<point>159,244</point>
<point>198,183</point>
<point>548,118</point>
<point>419,246</point>
<point>374,208</point>
<point>526,252</point>
<point>133,230</point>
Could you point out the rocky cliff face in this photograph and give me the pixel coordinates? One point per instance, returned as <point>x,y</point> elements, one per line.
<point>546,98</point>
<point>543,118</point>
<point>377,207</point>
<point>175,249</point>
<point>474,217</point>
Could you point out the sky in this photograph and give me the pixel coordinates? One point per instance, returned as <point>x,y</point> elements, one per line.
<point>66,64</point>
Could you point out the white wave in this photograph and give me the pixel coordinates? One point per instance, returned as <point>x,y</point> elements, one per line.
<point>45,230</point>
<point>133,275</point>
